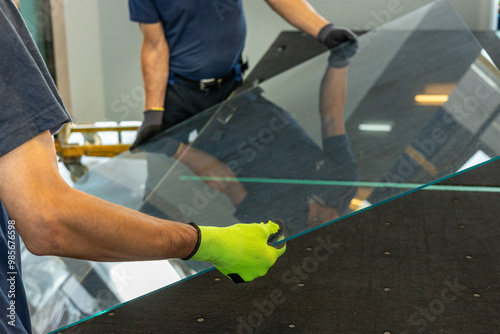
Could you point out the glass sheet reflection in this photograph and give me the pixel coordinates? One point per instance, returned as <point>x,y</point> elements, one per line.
<point>419,101</point>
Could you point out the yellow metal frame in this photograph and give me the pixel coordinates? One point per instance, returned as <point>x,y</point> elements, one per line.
<point>71,154</point>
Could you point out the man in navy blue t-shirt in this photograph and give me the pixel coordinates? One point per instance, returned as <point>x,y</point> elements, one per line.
<point>191,53</point>
<point>54,219</point>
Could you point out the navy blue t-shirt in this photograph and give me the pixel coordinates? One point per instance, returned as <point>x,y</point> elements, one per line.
<point>29,106</point>
<point>205,37</point>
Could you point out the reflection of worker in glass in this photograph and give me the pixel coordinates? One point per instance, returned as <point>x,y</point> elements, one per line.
<point>191,53</point>
<point>56,219</point>
<point>262,141</point>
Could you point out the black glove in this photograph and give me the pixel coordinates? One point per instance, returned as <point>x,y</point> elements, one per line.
<point>332,36</point>
<point>151,126</point>
<point>341,55</point>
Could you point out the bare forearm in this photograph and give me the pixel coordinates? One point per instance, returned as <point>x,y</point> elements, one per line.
<point>300,14</point>
<point>332,102</point>
<point>92,229</point>
<point>155,69</point>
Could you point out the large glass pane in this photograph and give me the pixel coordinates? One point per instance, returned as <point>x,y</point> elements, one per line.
<point>418,102</point>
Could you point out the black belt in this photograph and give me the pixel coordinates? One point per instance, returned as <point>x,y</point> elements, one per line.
<point>209,84</point>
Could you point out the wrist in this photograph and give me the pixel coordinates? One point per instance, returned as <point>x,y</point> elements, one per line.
<point>152,117</point>
<point>324,32</point>
<point>197,244</point>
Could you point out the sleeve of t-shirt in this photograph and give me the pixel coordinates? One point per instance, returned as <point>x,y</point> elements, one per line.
<point>143,11</point>
<point>29,101</point>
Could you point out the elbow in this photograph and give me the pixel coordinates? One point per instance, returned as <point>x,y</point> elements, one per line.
<point>35,248</point>
<point>155,45</point>
<point>42,232</point>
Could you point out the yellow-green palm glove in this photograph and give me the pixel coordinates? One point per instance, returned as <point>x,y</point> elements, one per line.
<point>242,252</point>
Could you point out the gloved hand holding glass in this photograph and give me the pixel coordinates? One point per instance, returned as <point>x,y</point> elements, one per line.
<point>242,252</point>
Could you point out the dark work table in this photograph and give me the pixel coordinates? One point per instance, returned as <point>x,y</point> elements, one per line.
<point>427,262</point>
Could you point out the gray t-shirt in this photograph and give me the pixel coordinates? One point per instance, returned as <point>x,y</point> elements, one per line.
<point>29,106</point>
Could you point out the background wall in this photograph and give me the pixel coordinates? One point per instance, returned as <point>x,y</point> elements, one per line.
<point>97,59</point>
<point>98,48</point>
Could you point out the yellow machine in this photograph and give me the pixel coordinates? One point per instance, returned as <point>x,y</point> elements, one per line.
<point>71,154</point>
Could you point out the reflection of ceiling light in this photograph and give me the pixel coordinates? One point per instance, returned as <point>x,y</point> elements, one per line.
<point>375,127</point>
<point>433,100</point>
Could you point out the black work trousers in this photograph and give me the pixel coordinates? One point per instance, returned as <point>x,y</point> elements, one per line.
<point>185,99</point>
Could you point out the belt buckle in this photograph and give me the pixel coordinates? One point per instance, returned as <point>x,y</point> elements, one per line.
<point>206,84</point>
